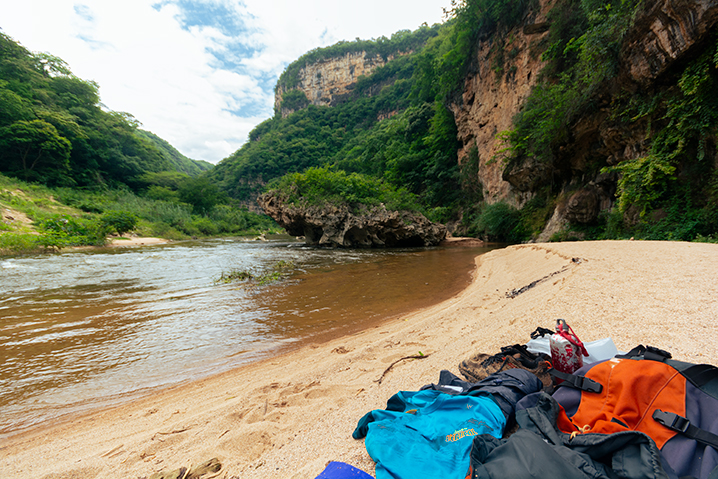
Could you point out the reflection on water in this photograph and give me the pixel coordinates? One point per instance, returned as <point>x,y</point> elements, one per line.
<point>81,328</point>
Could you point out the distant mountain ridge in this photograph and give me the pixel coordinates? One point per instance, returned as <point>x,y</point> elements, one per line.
<point>181,163</point>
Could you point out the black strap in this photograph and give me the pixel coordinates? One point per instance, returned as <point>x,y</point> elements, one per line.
<point>577,382</point>
<point>647,352</point>
<point>683,425</point>
<point>540,332</point>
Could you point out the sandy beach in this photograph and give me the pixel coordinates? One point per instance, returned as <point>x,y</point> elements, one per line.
<point>136,241</point>
<point>288,416</point>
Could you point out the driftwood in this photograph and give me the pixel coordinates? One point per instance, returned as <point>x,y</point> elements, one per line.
<point>515,292</point>
<point>418,356</point>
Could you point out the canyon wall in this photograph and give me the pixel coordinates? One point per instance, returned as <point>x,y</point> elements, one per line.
<point>328,81</point>
<point>507,66</point>
<point>665,34</point>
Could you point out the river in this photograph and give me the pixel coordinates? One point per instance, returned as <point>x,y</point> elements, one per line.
<point>93,328</point>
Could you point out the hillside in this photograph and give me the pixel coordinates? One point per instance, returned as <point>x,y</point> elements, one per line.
<point>548,119</point>
<point>180,162</point>
<point>54,131</point>
<point>371,124</point>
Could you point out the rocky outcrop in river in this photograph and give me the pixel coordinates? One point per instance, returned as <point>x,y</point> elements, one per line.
<point>338,226</point>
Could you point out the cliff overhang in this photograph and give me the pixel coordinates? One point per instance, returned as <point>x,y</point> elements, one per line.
<point>340,227</point>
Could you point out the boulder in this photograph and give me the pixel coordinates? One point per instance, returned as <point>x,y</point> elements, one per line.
<point>583,206</point>
<point>338,226</point>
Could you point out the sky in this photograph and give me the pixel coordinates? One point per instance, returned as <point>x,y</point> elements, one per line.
<point>199,73</point>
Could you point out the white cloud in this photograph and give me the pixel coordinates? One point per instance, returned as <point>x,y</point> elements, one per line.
<point>202,87</point>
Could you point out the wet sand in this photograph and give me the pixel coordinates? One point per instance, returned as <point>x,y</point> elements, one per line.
<point>287,416</point>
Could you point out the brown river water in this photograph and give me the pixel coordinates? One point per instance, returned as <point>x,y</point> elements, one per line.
<point>93,328</point>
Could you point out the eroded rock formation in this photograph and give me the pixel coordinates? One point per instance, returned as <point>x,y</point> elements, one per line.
<point>339,227</point>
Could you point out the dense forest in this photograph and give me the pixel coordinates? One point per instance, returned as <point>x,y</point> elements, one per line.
<point>54,131</point>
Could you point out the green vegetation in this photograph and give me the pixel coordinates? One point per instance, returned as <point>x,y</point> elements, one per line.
<point>119,221</point>
<point>394,131</point>
<point>53,130</point>
<point>444,63</point>
<point>668,194</point>
<point>682,125</point>
<point>278,271</point>
<point>383,130</point>
<point>320,186</point>
<point>101,173</point>
<point>391,139</point>
<point>584,41</point>
<point>36,217</point>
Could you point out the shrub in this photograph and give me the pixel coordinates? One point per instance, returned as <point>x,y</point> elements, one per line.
<point>205,226</point>
<point>18,242</point>
<point>318,186</point>
<point>119,221</point>
<point>500,222</point>
<point>59,231</point>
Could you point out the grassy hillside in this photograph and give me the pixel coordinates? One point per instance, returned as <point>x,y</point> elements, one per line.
<point>35,217</point>
<point>179,162</point>
<point>72,173</point>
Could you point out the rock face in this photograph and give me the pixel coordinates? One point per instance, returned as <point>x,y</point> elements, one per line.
<point>328,81</point>
<point>665,33</point>
<point>507,67</point>
<point>339,227</point>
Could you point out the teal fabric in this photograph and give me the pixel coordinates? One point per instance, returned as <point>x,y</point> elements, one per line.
<point>428,433</point>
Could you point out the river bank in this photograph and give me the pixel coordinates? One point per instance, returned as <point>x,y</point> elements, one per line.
<point>135,241</point>
<point>287,416</point>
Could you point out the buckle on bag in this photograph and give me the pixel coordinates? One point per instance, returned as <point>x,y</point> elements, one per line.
<point>589,385</point>
<point>671,420</point>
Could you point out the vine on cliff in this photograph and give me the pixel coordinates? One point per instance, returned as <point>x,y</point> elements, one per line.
<point>682,125</point>
<point>585,39</point>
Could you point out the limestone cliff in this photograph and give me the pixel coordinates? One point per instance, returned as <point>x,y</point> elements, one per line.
<point>664,35</point>
<point>328,81</point>
<point>507,67</point>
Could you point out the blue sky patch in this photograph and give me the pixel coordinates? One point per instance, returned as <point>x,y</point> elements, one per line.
<point>84,12</point>
<point>215,14</point>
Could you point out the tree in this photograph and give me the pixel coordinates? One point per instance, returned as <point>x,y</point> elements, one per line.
<point>201,194</point>
<point>120,221</point>
<point>36,150</point>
